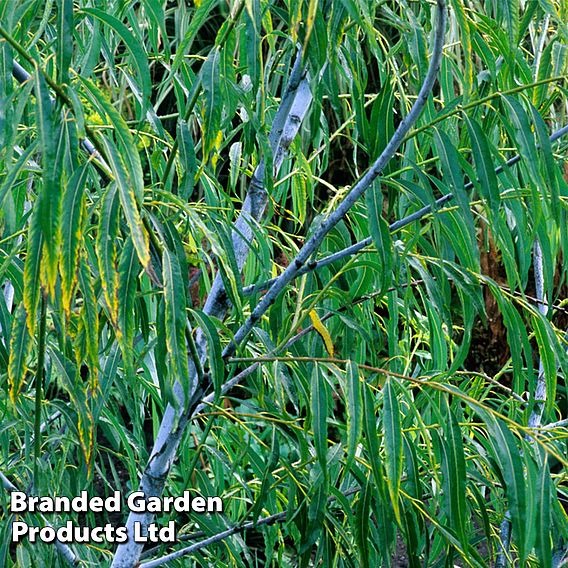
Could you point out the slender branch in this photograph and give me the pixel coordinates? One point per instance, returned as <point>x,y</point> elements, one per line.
<point>504,542</point>
<point>397,225</point>
<point>353,249</point>
<point>293,107</point>
<point>266,521</point>
<point>559,424</point>
<point>463,108</point>
<point>277,517</point>
<point>358,189</point>
<point>540,395</point>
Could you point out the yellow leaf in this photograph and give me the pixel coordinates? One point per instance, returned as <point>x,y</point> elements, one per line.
<point>322,330</point>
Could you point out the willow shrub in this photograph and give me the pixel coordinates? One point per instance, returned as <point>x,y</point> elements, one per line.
<point>401,403</point>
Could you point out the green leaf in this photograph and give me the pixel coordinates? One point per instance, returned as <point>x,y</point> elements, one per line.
<point>80,398</point>
<point>509,10</point>
<point>129,206</point>
<point>267,479</point>
<point>107,233</point>
<point>215,357</point>
<point>49,199</point>
<point>175,321</point>
<point>235,152</point>
<point>319,408</point>
<point>549,162</point>
<point>72,227</point>
<point>20,345</point>
<point>524,138</point>
<point>362,527</point>
<point>511,466</point>
<point>11,175</point>
<point>373,447</point>
<point>543,545</point>
<point>90,319</point>
<point>128,269</point>
<point>354,413</point>
<point>32,269</point>
<point>546,342</point>
<point>65,29</point>
<point>485,168</point>
<point>212,103</point>
<point>393,444</point>
<point>187,159</point>
<point>454,478</point>
<point>380,233</point>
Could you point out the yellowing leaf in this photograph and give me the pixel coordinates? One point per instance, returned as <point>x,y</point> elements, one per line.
<point>322,330</point>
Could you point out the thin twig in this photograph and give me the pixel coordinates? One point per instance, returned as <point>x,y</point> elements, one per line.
<point>277,517</point>
<point>397,225</point>
<point>266,521</point>
<point>355,248</point>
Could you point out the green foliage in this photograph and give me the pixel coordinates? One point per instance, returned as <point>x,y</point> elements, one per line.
<point>411,434</point>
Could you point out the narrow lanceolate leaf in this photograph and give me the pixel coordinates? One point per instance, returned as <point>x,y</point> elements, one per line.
<point>32,269</point>
<point>212,102</point>
<point>362,526</point>
<point>524,138</point>
<point>80,398</point>
<point>485,168</point>
<point>449,159</point>
<point>49,198</point>
<point>11,175</point>
<point>549,163</point>
<point>128,270</point>
<point>370,429</point>
<point>393,444</point>
<point>106,251</point>
<point>322,330</point>
<point>90,319</point>
<point>511,465</point>
<point>235,152</point>
<point>465,40</point>
<point>71,229</point>
<point>64,39</point>
<point>380,233</point>
<point>354,412</point>
<point>20,343</point>
<point>547,342</point>
<point>510,17</point>
<point>214,351</point>
<point>129,205</point>
<point>187,160</point>
<point>175,320</point>
<point>543,545</point>
<point>454,478</point>
<point>319,416</point>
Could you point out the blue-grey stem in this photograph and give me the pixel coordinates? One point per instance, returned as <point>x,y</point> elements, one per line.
<point>295,102</point>
<point>356,191</point>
